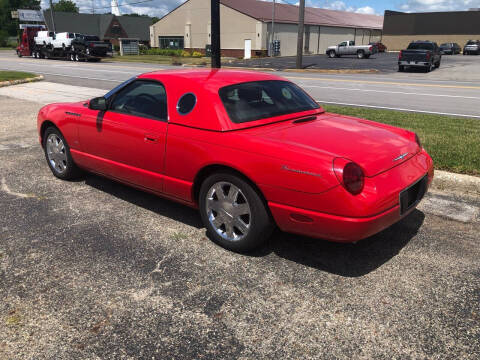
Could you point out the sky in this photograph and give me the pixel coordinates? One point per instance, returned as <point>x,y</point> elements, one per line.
<point>162,7</point>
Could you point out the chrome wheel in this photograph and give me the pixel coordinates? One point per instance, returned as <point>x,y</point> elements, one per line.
<point>56,153</point>
<point>228,211</point>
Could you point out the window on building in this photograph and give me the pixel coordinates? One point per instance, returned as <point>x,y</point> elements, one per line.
<point>171,42</point>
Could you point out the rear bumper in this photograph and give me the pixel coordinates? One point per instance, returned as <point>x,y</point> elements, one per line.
<point>414,63</point>
<point>332,227</point>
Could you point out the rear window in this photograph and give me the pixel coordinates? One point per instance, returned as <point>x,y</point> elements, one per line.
<point>91,38</point>
<point>420,46</point>
<point>257,100</point>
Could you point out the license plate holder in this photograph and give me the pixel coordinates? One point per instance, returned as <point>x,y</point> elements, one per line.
<point>411,196</point>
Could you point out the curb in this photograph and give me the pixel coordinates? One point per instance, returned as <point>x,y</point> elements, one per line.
<point>21,81</point>
<point>444,180</point>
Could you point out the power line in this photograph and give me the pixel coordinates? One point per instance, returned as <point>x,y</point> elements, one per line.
<point>125,4</point>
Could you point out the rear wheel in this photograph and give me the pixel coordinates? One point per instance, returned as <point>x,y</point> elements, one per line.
<point>233,212</point>
<point>331,54</point>
<point>360,54</point>
<point>57,153</point>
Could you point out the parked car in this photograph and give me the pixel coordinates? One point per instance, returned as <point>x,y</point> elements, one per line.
<point>472,47</point>
<point>91,45</point>
<point>63,40</point>
<point>349,48</point>
<point>44,38</point>
<point>381,47</point>
<point>424,54</point>
<point>450,48</point>
<point>250,150</point>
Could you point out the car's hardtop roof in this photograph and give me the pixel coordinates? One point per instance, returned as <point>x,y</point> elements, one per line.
<point>211,79</point>
<point>209,112</point>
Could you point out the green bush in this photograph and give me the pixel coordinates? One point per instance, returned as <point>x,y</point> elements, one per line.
<point>186,53</point>
<point>162,52</point>
<point>197,54</point>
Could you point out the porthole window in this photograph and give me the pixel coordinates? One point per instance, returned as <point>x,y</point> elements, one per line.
<point>186,103</point>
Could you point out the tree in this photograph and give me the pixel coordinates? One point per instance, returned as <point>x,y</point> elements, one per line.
<point>65,6</point>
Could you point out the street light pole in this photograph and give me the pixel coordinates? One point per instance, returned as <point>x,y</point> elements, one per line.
<point>215,31</point>
<point>301,21</point>
<point>51,14</point>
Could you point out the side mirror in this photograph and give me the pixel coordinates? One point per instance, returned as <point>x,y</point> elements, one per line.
<point>99,103</point>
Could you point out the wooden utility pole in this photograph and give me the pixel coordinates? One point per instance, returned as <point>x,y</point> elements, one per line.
<point>272,53</point>
<point>215,34</point>
<point>51,14</point>
<point>301,21</point>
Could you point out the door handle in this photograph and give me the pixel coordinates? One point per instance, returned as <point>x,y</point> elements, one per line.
<point>150,138</point>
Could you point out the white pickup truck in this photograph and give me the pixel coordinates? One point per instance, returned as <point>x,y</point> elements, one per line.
<point>63,40</point>
<point>44,38</point>
<point>349,48</point>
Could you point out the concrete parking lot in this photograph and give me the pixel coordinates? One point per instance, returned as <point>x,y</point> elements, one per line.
<point>94,269</point>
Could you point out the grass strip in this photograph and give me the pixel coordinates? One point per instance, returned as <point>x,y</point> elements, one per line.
<point>15,75</point>
<point>453,142</point>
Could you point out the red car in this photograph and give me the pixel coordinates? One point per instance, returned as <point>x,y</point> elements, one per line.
<point>250,150</point>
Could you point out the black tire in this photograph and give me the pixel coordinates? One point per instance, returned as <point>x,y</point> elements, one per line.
<point>260,223</point>
<point>71,171</point>
<point>437,64</point>
<point>360,54</point>
<point>331,54</point>
<point>401,68</point>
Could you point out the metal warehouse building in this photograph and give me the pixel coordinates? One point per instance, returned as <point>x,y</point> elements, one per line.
<point>399,29</point>
<point>246,28</point>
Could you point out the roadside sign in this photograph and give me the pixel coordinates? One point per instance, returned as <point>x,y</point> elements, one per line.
<point>31,15</point>
<point>14,14</point>
<point>24,26</point>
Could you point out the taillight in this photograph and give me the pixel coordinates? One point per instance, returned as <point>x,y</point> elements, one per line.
<point>417,140</point>
<point>400,55</point>
<point>350,175</point>
<point>428,55</point>
<point>91,45</point>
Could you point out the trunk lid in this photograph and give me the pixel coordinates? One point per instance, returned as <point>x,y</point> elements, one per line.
<point>375,147</point>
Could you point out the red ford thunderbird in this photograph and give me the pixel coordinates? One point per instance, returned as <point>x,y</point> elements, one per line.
<point>250,150</point>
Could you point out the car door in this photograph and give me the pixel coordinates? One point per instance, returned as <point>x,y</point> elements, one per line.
<point>342,48</point>
<point>127,141</point>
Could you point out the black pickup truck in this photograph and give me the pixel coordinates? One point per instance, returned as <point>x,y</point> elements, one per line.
<point>90,45</point>
<point>424,54</point>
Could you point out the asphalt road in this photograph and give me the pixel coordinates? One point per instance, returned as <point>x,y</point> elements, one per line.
<point>454,89</point>
<point>94,269</point>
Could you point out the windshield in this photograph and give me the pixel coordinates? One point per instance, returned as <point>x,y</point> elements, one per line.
<point>446,45</point>
<point>264,99</point>
<point>118,87</point>
<point>420,46</point>
<point>471,42</point>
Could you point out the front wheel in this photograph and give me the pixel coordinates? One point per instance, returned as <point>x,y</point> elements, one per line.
<point>57,153</point>
<point>331,54</point>
<point>233,212</point>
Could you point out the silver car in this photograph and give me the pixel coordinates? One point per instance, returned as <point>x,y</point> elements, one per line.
<point>349,48</point>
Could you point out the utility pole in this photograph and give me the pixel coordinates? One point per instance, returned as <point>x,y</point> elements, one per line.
<point>93,6</point>
<point>301,21</point>
<point>51,14</point>
<point>215,31</point>
<point>272,53</point>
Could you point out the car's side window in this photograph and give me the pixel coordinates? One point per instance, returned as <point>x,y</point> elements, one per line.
<point>142,98</point>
